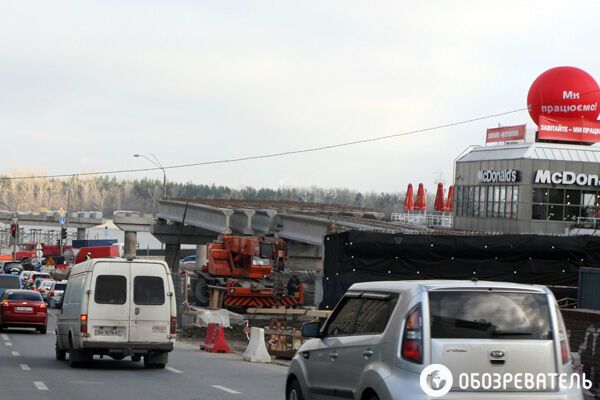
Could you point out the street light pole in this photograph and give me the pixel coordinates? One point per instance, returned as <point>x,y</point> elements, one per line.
<point>154,160</point>
<point>16,238</point>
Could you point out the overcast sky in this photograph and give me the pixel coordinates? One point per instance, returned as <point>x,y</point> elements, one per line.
<point>84,85</point>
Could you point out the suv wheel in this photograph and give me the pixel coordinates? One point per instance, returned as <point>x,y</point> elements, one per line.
<point>293,391</point>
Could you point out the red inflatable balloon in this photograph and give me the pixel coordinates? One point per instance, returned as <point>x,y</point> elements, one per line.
<point>566,92</point>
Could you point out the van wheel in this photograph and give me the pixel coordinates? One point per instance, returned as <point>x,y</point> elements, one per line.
<point>155,360</point>
<point>136,358</point>
<point>61,355</point>
<point>293,391</point>
<point>43,330</point>
<point>77,357</point>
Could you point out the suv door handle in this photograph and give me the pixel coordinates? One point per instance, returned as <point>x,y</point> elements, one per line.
<point>137,311</point>
<point>367,353</point>
<point>333,355</point>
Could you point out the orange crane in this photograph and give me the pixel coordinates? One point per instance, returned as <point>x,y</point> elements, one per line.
<point>243,265</point>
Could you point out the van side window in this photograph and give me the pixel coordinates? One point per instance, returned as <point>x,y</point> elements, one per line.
<point>74,290</point>
<point>343,319</point>
<point>110,289</point>
<point>148,291</point>
<point>374,316</point>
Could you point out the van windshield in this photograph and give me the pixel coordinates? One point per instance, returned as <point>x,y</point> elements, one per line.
<point>9,282</point>
<point>489,315</point>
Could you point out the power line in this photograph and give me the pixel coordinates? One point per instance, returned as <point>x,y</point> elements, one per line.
<point>272,155</point>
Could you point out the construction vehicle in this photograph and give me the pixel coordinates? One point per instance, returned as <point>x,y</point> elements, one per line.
<point>242,267</point>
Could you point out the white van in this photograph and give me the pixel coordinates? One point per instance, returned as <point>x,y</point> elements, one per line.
<point>119,308</point>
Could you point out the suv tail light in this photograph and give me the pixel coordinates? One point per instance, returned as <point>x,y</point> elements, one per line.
<point>412,339</point>
<point>565,349</point>
<point>83,323</point>
<point>51,293</point>
<point>173,327</point>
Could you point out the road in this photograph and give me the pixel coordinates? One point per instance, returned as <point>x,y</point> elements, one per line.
<point>28,370</point>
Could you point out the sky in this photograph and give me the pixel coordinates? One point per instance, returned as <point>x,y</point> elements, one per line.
<point>86,84</point>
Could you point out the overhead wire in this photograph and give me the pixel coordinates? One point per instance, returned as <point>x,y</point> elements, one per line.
<point>271,155</point>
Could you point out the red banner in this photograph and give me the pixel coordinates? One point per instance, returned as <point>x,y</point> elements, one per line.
<point>569,130</point>
<point>505,134</point>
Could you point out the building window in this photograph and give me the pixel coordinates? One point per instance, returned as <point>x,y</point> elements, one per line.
<point>490,202</point>
<point>487,201</point>
<point>459,191</point>
<point>564,205</point>
<point>515,202</point>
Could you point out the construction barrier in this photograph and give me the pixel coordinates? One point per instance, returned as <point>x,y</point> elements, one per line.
<point>257,349</point>
<point>215,342</point>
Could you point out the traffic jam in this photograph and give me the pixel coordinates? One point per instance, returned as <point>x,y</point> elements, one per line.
<point>308,200</point>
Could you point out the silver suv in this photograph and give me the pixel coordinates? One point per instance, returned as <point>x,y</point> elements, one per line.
<point>386,340</point>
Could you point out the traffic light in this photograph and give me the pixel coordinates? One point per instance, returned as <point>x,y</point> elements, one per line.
<point>13,230</point>
<point>63,233</point>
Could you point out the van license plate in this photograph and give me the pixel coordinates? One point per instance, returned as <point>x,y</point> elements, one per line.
<point>104,331</point>
<point>25,309</point>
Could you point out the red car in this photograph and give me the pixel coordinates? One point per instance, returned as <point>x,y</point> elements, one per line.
<point>23,308</point>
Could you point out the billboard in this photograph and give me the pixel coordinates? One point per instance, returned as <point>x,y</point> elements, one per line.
<point>505,134</point>
<point>568,129</point>
<point>565,103</point>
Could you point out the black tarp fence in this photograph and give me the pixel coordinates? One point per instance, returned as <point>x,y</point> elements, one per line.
<point>361,256</point>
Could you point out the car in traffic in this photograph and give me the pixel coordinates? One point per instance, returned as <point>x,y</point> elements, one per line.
<point>9,281</point>
<point>23,309</point>
<point>120,308</point>
<point>33,276</point>
<point>25,276</point>
<point>11,267</point>
<point>382,336</point>
<point>55,297</point>
<point>43,286</point>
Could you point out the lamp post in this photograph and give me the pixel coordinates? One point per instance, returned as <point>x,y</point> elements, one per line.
<point>16,238</point>
<point>154,160</point>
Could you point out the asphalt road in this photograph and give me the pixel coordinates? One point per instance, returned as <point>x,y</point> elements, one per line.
<point>28,370</point>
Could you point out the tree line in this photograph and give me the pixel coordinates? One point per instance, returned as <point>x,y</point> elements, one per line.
<point>107,194</point>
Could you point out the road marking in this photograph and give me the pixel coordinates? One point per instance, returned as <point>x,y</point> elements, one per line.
<point>16,353</point>
<point>4,337</point>
<point>40,385</point>
<point>8,344</point>
<point>174,370</point>
<point>25,367</point>
<point>223,388</point>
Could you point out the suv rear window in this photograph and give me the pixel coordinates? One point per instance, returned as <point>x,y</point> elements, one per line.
<point>111,289</point>
<point>489,315</point>
<point>26,296</point>
<point>9,282</point>
<point>60,286</point>
<point>148,291</point>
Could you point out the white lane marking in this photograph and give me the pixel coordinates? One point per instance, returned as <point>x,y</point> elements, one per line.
<point>4,337</point>
<point>8,344</point>
<point>25,367</point>
<point>87,382</point>
<point>40,385</point>
<point>16,353</point>
<point>174,370</point>
<point>223,388</point>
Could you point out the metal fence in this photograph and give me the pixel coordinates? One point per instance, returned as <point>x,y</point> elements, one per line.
<point>588,222</point>
<point>437,219</point>
<point>46,236</point>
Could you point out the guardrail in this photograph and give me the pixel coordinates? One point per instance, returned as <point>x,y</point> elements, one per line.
<point>588,222</point>
<point>442,220</point>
